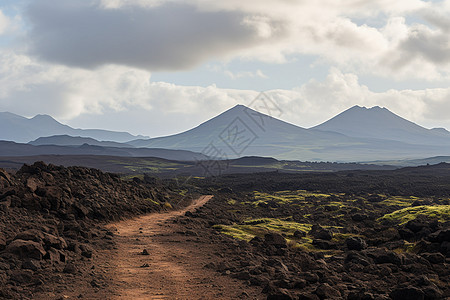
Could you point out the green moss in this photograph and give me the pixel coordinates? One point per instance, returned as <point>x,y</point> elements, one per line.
<point>399,201</point>
<point>402,216</point>
<point>231,201</point>
<point>153,201</point>
<point>286,197</point>
<point>259,227</point>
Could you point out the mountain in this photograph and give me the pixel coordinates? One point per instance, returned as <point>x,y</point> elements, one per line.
<point>20,129</point>
<point>242,131</point>
<point>380,123</point>
<point>67,140</point>
<point>12,149</point>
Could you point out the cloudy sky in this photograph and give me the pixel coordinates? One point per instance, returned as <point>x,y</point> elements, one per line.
<point>157,67</point>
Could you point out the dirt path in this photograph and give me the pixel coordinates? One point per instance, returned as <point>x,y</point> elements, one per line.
<point>174,268</point>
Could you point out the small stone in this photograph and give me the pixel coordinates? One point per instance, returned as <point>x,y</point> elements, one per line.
<point>145,252</point>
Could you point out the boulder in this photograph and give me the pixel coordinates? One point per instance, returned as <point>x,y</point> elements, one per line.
<point>2,241</point>
<point>434,258</point>
<point>26,249</point>
<point>30,235</point>
<point>275,239</point>
<point>321,233</point>
<point>54,242</point>
<point>31,264</point>
<point>410,293</point>
<point>299,234</point>
<point>356,243</point>
<point>440,236</point>
<point>280,294</point>
<point>358,217</point>
<point>325,291</point>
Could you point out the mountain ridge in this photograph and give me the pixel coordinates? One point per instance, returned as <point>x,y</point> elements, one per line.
<point>380,123</point>
<point>268,136</point>
<point>23,130</point>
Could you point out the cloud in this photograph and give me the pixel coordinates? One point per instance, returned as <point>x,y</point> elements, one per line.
<point>170,36</point>
<point>366,37</point>
<point>86,98</point>
<point>4,23</point>
<point>29,87</point>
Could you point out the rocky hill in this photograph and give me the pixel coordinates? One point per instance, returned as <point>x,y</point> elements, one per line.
<point>50,221</point>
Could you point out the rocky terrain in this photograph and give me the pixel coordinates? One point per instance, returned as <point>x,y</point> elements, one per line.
<point>345,235</point>
<point>51,224</point>
<point>334,243</point>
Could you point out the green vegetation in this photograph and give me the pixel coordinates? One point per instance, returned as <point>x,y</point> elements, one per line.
<point>402,216</point>
<point>285,197</point>
<point>259,227</point>
<point>153,201</point>
<point>399,201</point>
<point>146,165</point>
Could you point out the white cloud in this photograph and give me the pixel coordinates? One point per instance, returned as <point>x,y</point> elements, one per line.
<point>29,87</point>
<point>4,22</point>
<point>177,35</point>
<point>128,100</point>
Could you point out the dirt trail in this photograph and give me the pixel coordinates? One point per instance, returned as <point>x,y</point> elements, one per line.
<point>174,268</point>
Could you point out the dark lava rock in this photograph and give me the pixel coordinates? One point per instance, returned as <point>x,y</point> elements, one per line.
<point>360,296</point>
<point>325,291</point>
<point>434,258</point>
<point>2,241</point>
<point>359,217</point>
<point>416,225</point>
<point>26,249</point>
<point>382,256</point>
<point>299,234</point>
<point>433,293</point>
<point>322,234</point>
<point>275,239</point>
<point>31,264</point>
<point>440,236</point>
<point>145,252</point>
<point>407,293</point>
<point>405,233</point>
<point>280,294</point>
<point>356,243</point>
<point>70,268</point>
<point>323,244</point>
<point>308,296</point>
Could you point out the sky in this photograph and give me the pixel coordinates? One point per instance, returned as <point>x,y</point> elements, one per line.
<point>158,67</point>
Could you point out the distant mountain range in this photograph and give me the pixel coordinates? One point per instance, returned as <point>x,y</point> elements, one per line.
<point>67,140</point>
<point>12,149</point>
<point>358,134</point>
<point>23,130</point>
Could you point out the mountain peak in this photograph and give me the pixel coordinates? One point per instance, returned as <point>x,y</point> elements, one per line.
<point>379,123</point>
<point>364,108</point>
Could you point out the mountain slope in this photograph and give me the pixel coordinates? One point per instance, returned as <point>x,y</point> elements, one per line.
<point>20,129</point>
<point>242,131</point>
<point>380,123</point>
<point>12,149</point>
<point>67,140</point>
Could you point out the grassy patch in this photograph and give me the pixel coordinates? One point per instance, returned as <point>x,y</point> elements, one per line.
<point>399,201</point>
<point>259,227</point>
<point>402,216</point>
<point>285,197</point>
